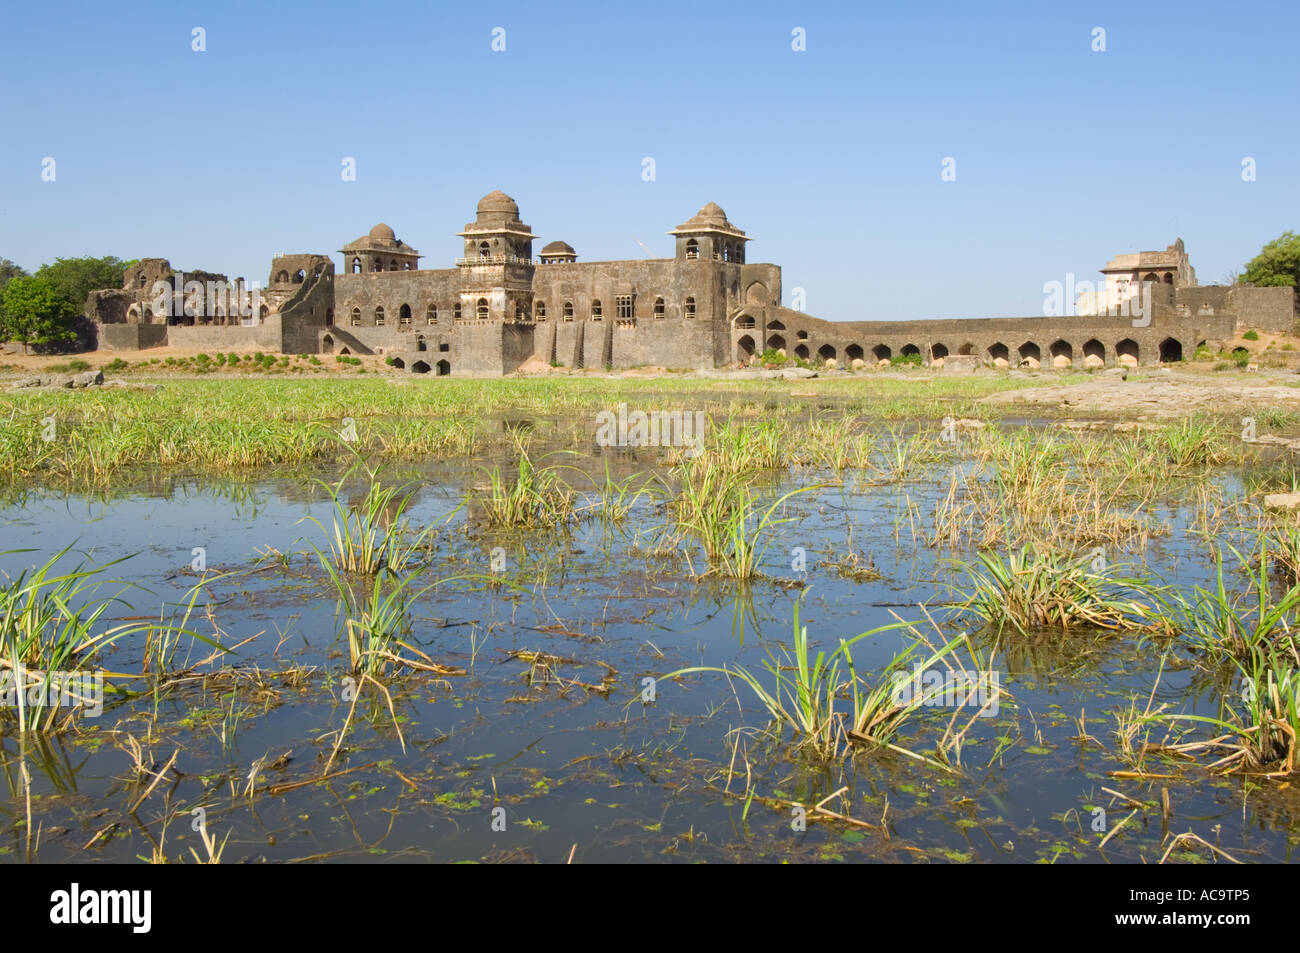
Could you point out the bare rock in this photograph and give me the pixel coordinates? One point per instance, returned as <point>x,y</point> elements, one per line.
<point>87,379</point>
<point>1282,501</point>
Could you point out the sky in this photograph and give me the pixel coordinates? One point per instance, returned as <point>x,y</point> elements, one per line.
<point>831,157</point>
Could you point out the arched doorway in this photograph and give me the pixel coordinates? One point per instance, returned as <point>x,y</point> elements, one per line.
<point>882,353</point>
<point>776,343</point>
<point>444,368</point>
<point>1094,353</point>
<point>745,348</point>
<point>1062,354</point>
<point>1126,353</point>
<point>420,367</point>
<point>827,354</point>
<point>1171,350</point>
<point>938,352</point>
<point>999,355</point>
<point>1030,354</point>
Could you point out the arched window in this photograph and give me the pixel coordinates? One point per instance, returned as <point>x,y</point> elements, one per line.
<point>282,278</point>
<point>659,307</point>
<point>262,316</point>
<point>690,307</point>
<point>299,277</point>
<point>406,266</point>
<point>140,280</point>
<point>379,265</point>
<point>355,320</point>
<point>404,316</point>
<point>392,265</point>
<point>431,314</point>
<point>356,266</point>
<point>692,249</point>
<point>539,310</point>
<point>455,313</point>
<point>596,313</point>
<point>379,316</point>
<point>484,250</point>
<point>481,309</point>
<point>568,311</point>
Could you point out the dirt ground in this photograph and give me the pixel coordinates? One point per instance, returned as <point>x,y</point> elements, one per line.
<point>1155,393</point>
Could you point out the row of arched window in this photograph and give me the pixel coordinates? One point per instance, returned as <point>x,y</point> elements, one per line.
<point>622,306</point>
<point>482,311</point>
<point>377,264</point>
<point>731,251</point>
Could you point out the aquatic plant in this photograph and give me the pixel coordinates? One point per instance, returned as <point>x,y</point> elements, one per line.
<point>1032,590</point>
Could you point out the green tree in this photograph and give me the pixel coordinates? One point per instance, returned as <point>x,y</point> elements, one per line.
<point>1278,263</point>
<point>34,313</point>
<point>8,270</point>
<point>73,279</point>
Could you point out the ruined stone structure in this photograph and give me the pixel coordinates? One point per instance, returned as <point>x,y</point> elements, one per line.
<point>499,307</point>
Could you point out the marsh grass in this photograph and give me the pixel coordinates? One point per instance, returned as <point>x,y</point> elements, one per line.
<point>1033,591</point>
<point>372,535</point>
<point>532,496</point>
<point>807,690</point>
<point>52,621</point>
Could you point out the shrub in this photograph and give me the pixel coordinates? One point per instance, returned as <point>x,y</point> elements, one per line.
<point>1250,336</point>
<point>906,359</point>
<point>116,364</point>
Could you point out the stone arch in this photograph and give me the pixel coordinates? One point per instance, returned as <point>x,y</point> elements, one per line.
<point>775,342</point>
<point>881,352</point>
<point>689,310</point>
<point>377,265</point>
<point>1127,353</point>
<point>355,318</point>
<point>801,335</point>
<point>1062,353</point>
<point>379,316</point>
<point>327,342</point>
<point>597,310</point>
<point>853,353</point>
<point>431,314</point>
<point>404,315</point>
<point>299,276</point>
<point>356,266</point>
<point>568,311</point>
<point>1241,354</point>
<point>282,277</point>
<point>399,364</point>
<point>999,354</point>
<point>966,350</point>
<point>744,322</point>
<point>421,344</point>
<point>344,350</point>
<point>938,352</point>
<point>745,347</point>
<point>910,350</point>
<point>659,310</point>
<point>1094,353</point>
<point>757,293</point>
<point>826,352</point>
<point>444,368</point>
<point>1152,277</point>
<point>692,248</point>
<point>775,325</point>
<point>484,250</point>
<point>420,367</point>
<point>1171,350</point>
<point>1030,354</point>
<point>481,309</point>
<point>539,310</point>
<point>1169,278</point>
<point>801,352</point>
<point>392,265</point>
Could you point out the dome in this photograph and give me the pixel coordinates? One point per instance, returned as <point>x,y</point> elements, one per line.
<point>498,203</point>
<point>711,213</point>
<point>382,231</point>
<point>558,248</point>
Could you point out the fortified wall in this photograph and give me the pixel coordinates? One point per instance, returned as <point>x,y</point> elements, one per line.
<point>500,307</point>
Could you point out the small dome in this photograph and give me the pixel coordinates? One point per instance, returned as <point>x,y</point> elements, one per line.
<point>498,203</point>
<point>711,213</point>
<point>558,248</point>
<point>382,231</point>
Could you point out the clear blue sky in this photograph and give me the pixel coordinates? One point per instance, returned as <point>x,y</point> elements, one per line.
<point>829,158</point>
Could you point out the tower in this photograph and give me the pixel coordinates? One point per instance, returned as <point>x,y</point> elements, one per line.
<point>708,236</point>
<point>496,274</point>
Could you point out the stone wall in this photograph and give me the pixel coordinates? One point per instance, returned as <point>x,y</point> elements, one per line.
<point>131,337</point>
<point>1265,309</point>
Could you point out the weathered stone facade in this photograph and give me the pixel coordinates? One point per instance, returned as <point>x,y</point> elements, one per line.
<point>498,307</point>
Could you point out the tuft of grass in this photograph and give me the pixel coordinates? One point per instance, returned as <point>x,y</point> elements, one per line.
<point>373,535</point>
<point>1033,590</point>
